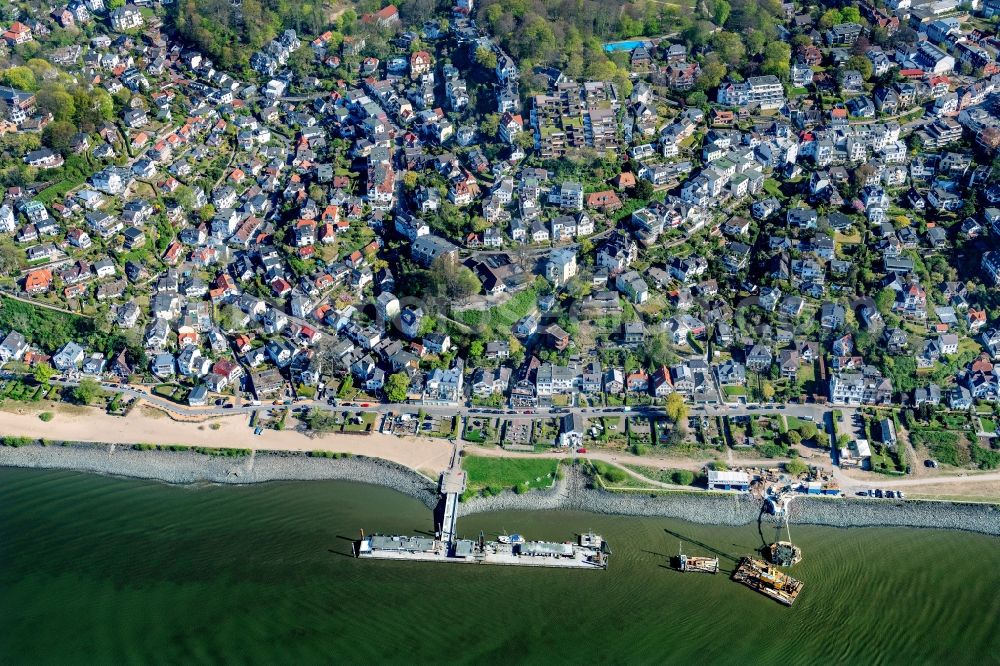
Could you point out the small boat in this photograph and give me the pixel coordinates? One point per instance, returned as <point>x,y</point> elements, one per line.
<point>694,563</point>
<point>510,538</point>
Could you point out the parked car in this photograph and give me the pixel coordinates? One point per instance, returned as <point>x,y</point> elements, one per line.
<point>581,450</point>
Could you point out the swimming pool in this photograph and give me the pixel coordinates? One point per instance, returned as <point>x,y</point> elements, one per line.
<point>625,46</point>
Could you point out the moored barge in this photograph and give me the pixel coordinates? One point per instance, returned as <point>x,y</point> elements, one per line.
<point>768,580</point>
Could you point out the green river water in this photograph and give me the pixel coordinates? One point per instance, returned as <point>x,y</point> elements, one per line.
<point>101,570</point>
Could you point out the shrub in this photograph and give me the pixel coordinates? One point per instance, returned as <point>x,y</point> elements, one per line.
<point>771,450</point>
<point>46,416</point>
<point>796,467</point>
<point>15,442</point>
<point>610,473</point>
<point>639,449</point>
<point>985,458</point>
<point>682,477</point>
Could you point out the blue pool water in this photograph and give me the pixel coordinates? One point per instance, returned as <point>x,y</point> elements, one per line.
<point>624,46</point>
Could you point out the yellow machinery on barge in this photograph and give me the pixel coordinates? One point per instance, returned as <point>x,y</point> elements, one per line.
<point>768,580</point>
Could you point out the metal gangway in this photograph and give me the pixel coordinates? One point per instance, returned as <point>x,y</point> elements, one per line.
<point>452,485</point>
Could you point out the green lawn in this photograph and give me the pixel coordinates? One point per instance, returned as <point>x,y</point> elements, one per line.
<point>773,187</point>
<point>479,430</point>
<point>366,423</point>
<point>173,392</point>
<point>53,192</point>
<point>988,425</point>
<point>496,474</point>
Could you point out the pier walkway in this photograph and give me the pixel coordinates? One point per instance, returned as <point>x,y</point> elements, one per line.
<point>452,485</point>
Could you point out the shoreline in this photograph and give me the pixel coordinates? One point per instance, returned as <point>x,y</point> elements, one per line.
<point>569,493</point>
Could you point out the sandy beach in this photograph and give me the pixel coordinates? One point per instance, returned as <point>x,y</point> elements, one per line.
<point>144,426</point>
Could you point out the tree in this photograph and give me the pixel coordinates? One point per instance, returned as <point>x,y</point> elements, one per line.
<point>720,12</point>
<point>755,42</point>
<point>768,390</point>
<point>58,134</point>
<point>863,174</point>
<point>455,280</point>
<point>794,438</point>
<point>490,125</point>
<point>850,15</point>
<point>644,190</point>
<point>830,18</point>
<point>676,409</point>
<point>43,373</point>
<point>10,257</point>
<point>697,33</point>
<point>396,387</point>
<point>777,59</point>
<point>476,349</point>
<point>184,197</point>
<point>885,300</point>
<point>410,180</point>
<point>808,430</point>
<point>21,78</point>
<point>58,102</point>
<point>230,317</point>
<point>862,64</point>
<point>486,58</point>
<point>712,72</point>
<point>87,391</point>
<point>730,48</point>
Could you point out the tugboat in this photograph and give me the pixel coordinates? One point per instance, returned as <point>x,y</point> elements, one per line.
<point>767,580</point>
<point>693,563</point>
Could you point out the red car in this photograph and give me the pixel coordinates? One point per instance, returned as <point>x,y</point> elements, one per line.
<point>365,404</point>
<point>581,450</point>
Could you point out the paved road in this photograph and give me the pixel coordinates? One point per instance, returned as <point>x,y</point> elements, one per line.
<point>848,484</point>
<point>807,411</point>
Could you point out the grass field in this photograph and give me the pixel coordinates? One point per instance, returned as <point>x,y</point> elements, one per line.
<point>672,476</point>
<point>492,475</point>
<point>364,423</point>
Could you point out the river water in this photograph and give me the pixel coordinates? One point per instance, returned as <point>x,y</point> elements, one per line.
<point>95,569</point>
